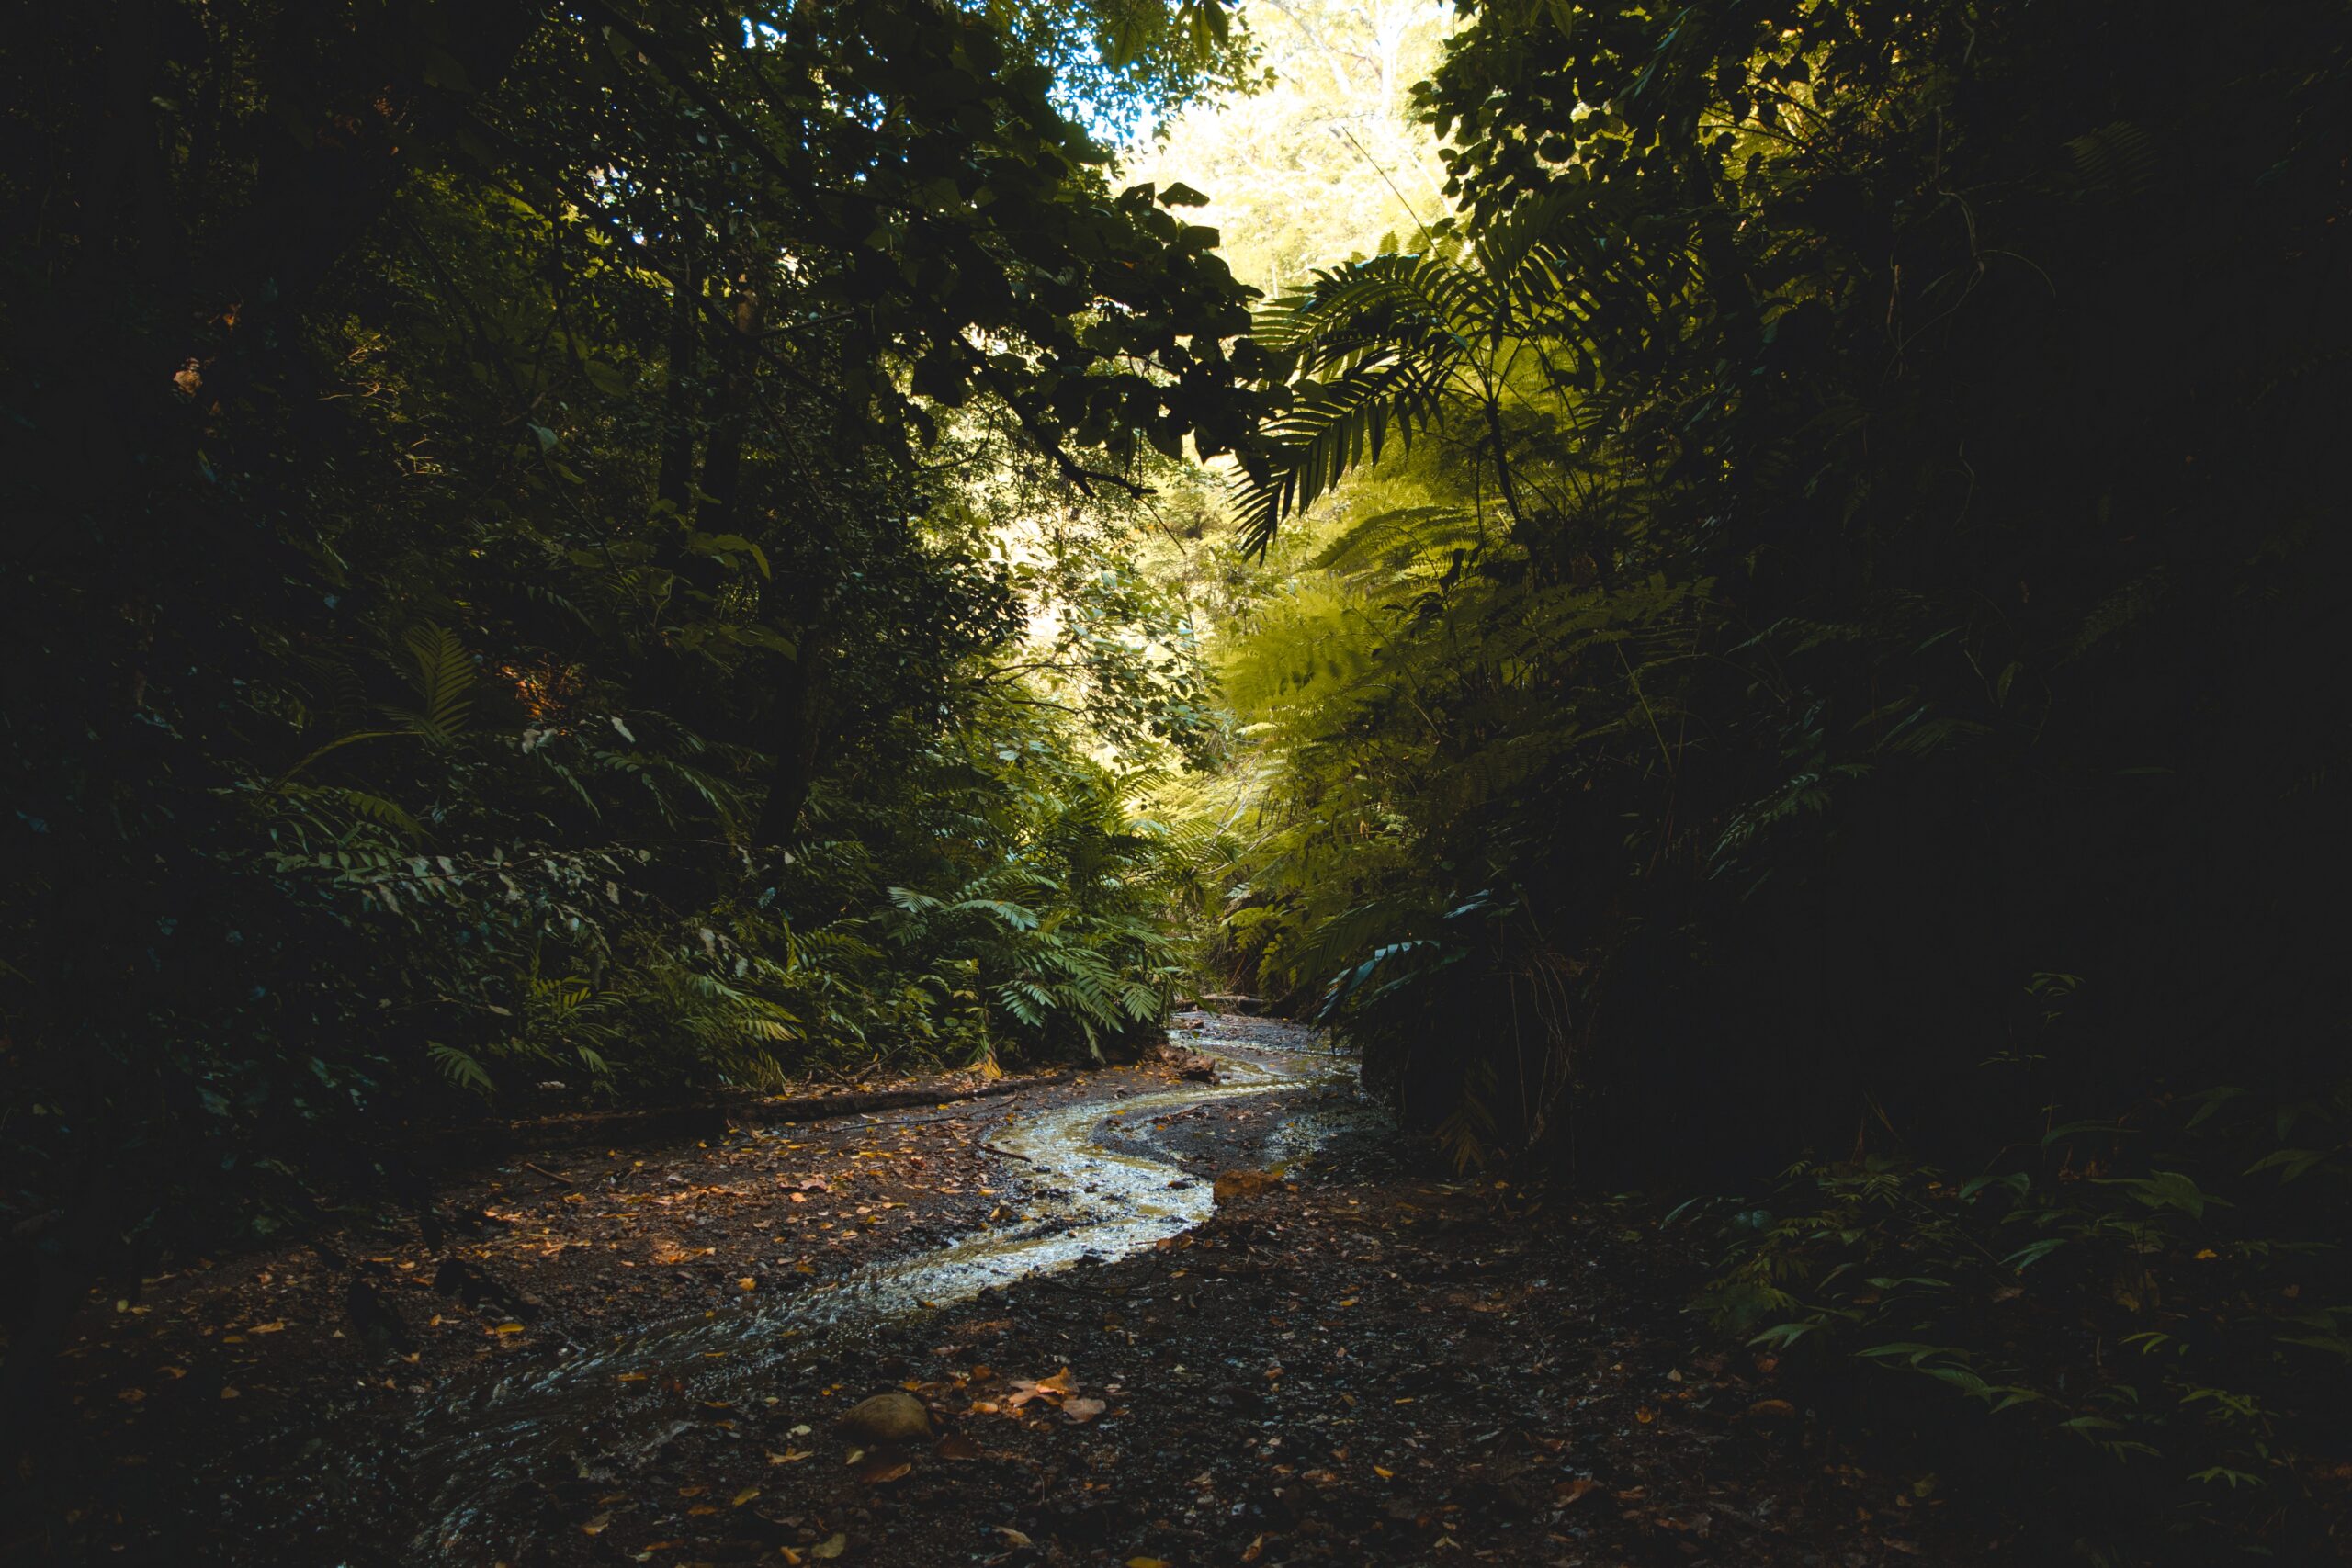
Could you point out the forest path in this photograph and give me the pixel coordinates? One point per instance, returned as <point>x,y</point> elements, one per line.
<point>1345,1356</point>
<point>461,1476</point>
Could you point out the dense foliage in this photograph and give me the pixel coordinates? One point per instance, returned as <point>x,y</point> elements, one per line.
<point>1828,559</point>
<point>522,570</point>
<point>1868,500</point>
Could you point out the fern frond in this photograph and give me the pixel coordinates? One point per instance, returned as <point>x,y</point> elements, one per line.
<point>443,680</point>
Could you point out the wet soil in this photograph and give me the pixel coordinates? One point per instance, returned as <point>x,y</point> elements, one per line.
<point>1334,1353</point>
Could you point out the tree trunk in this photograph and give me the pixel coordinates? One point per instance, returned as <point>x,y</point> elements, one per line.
<point>722,465</point>
<point>795,742</point>
<point>676,483</point>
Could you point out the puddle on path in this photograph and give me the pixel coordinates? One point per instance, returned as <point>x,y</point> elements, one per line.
<point>472,1466</point>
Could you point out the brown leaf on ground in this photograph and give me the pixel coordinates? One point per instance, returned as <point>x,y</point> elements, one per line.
<point>1052,1390</point>
<point>1234,1186</point>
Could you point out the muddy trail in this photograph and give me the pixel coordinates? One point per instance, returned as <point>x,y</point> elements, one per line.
<point>1141,1318</point>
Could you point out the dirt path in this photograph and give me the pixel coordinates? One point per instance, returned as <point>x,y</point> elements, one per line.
<point>1350,1359</point>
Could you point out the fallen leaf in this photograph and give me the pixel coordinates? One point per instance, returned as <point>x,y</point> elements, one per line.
<point>1077,1410</point>
<point>1013,1537</point>
<point>882,1472</point>
<point>1577,1490</point>
<point>1776,1408</point>
<point>1233,1186</point>
<point>745,1495</point>
<point>831,1546</point>
<point>597,1526</point>
<point>791,1456</point>
<point>1147,1562</point>
<point>957,1446</point>
<point>1051,1388</point>
<point>267,1327</point>
<point>632,1377</point>
<point>508,1328</point>
<point>228,1394</point>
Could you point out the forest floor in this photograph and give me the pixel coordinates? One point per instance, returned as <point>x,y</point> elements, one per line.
<point>1355,1358</point>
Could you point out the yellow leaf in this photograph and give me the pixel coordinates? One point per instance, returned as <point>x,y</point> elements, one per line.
<point>228,1394</point>
<point>745,1495</point>
<point>597,1526</point>
<point>1385,1474</point>
<point>831,1546</point>
<point>631,1377</point>
<point>508,1328</point>
<point>1147,1562</point>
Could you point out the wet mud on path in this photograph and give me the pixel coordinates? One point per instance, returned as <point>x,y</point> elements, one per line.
<point>1089,1349</point>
